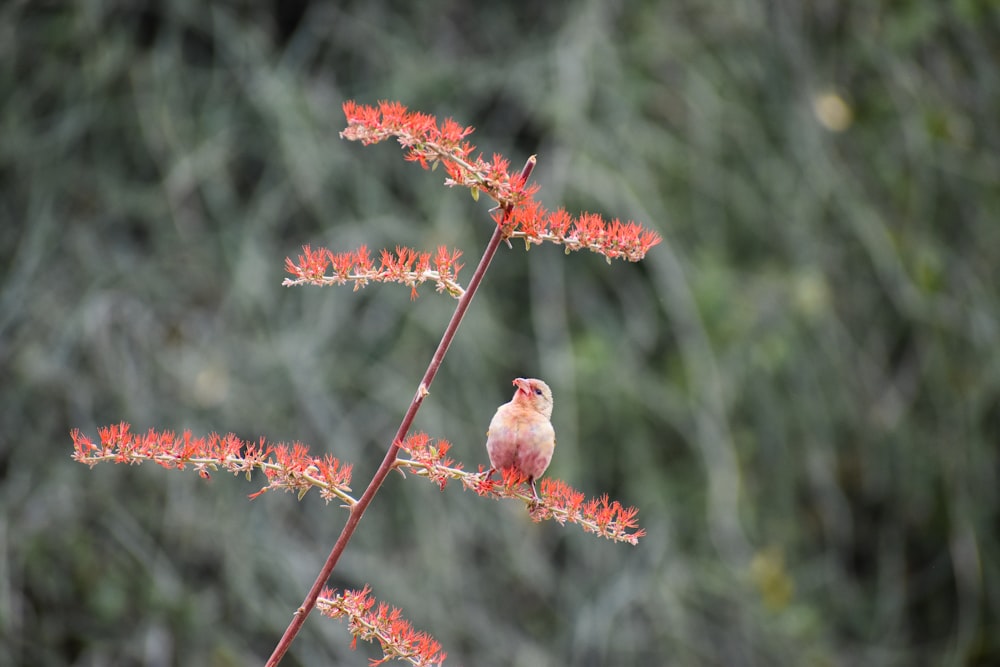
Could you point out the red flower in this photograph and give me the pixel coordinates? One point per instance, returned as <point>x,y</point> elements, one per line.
<point>557,500</point>
<point>428,144</point>
<point>405,266</point>
<point>286,467</point>
<point>370,620</point>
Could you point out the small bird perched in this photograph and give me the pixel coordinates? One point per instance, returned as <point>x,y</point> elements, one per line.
<point>520,435</point>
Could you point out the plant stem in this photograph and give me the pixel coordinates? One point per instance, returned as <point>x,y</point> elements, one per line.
<point>299,617</point>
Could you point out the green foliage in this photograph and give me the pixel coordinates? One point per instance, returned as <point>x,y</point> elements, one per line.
<point>799,389</point>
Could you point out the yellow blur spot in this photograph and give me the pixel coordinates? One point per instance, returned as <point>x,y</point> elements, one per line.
<point>776,587</point>
<point>832,111</point>
<point>811,294</point>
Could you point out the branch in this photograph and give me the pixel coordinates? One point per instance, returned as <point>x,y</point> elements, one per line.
<point>358,510</point>
<point>383,624</point>
<point>557,500</point>
<point>406,266</point>
<point>287,467</point>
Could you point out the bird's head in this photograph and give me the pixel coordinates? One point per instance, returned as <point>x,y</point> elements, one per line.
<point>535,393</point>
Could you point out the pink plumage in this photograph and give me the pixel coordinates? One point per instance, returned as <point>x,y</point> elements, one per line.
<point>520,435</point>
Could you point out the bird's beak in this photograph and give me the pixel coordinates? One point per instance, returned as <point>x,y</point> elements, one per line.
<point>523,385</point>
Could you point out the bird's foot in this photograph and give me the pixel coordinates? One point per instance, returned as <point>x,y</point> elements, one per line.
<point>535,500</point>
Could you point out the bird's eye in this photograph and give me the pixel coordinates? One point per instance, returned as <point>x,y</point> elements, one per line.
<point>538,391</point>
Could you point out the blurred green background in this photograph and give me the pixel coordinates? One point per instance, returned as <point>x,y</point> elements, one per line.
<point>799,389</point>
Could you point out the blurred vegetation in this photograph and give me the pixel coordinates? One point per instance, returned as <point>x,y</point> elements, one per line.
<point>799,389</point>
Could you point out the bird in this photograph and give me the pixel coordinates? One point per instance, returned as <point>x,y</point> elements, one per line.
<point>520,435</point>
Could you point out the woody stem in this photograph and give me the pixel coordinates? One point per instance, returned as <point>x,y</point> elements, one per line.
<point>357,510</point>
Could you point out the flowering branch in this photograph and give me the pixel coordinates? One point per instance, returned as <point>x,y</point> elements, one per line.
<point>588,231</point>
<point>406,266</point>
<point>430,145</point>
<point>520,215</point>
<point>383,624</point>
<point>557,500</point>
<point>423,389</point>
<point>286,468</point>
<point>517,216</point>
<point>292,468</point>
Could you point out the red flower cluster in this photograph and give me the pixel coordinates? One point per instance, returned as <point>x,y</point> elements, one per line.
<point>557,500</point>
<point>615,240</point>
<point>429,145</point>
<point>436,465</point>
<point>379,622</point>
<point>600,516</point>
<point>405,266</point>
<point>286,467</point>
<point>292,468</point>
<point>416,131</point>
<point>518,211</point>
